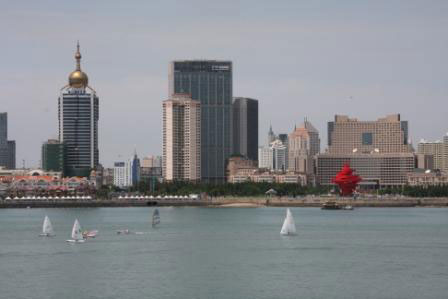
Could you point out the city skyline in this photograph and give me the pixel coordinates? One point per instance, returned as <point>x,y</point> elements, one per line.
<point>392,62</point>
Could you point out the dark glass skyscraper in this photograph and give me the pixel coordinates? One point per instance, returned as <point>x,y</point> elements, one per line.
<point>53,156</point>
<point>135,170</point>
<point>78,123</point>
<point>245,127</point>
<point>209,82</point>
<point>7,147</point>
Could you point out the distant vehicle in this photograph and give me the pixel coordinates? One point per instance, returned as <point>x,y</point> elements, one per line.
<point>331,205</point>
<point>194,196</point>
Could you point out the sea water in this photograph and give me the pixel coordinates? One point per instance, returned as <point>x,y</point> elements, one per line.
<point>226,253</point>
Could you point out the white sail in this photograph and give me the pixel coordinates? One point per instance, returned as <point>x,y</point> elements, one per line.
<point>155,217</point>
<point>289,226</point>
<point>47,228</point>
<point>76,231</point>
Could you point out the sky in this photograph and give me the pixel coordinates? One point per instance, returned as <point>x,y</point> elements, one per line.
<point>313,59</point>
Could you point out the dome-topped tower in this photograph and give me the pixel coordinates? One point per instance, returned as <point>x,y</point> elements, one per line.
<point>77,78</point>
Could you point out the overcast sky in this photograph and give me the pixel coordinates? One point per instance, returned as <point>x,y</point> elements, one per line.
<point>298,58</point>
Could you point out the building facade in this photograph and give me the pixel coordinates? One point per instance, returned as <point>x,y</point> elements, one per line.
<point>240,165</point>
<point>245,127</point>
<point>7,147</point>
<point>376,170</point>
<point>304,144</point>
<point>427,178</point>
<point>181,139</point>
<point>78,123</point>
<point>210,83</point>
<point>265,157</point>
<point>53,156</point>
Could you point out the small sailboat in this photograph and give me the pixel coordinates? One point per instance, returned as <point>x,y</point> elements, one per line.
<point>47,228</point>
<point>76,233</point>
<point>155,217</point>
<point>289,226</point>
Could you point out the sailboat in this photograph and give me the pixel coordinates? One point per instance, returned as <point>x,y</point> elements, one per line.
<point>155,218</point>
<point>76,233</point>
<point>47,228</point>
<point>289,226</point>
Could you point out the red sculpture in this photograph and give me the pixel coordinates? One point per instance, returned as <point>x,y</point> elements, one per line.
<point>346,181</point>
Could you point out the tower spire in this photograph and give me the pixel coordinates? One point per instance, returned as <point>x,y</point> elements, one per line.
<point>78,57</point>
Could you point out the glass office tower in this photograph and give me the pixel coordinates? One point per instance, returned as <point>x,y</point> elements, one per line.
<point>245,127</point>
<point>209,82</point>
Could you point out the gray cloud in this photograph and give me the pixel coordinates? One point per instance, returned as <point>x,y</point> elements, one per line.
<point>298,58</point>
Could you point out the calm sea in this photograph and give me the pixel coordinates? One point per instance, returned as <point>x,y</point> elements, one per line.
<point>227,253</point>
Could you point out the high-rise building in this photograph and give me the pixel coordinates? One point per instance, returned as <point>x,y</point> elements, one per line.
<point>386,135</point>
<point>445,151</point>
<point>135,170</point>
<point>7,147</point>
<point>3,128</point>
<point>152,161</point>
<point>209,82</point>
<point>304,144</point>
<point>78,123</point>
<point>271,135</point>
<point>245,127</point>
<point>377,150</point>
<point>439,151</point>
<point>280,155</point>
<point>273,157</point>
<point>181,138</point>
<point>284,139</point>
<point>123,174</point>
<point>53,156</point>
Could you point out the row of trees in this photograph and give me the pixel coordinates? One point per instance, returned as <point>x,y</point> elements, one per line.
<point>228,189</point>
<point>418,191</point>
<point>259,189</point>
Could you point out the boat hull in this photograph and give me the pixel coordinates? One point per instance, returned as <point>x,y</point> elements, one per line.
<point>331,208</point>
<point>75,241</point>
<point>46,235</point>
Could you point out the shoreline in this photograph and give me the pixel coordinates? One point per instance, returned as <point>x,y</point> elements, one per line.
<point>230,202</point>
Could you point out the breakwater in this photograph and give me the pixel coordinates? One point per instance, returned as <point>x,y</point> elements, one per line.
<point>309,201</point>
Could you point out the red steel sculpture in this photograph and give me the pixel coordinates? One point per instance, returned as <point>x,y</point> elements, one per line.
<point>346,181</point>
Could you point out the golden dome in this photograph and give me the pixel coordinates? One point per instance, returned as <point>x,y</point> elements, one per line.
<point>77,78</point>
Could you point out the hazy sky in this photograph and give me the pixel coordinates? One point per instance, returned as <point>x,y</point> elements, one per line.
<point>298,58</point>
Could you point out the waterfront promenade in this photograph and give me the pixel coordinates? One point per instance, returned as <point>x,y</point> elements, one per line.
<point>309,201</point>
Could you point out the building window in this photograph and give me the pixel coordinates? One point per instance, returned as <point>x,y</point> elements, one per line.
<point>367,138</point>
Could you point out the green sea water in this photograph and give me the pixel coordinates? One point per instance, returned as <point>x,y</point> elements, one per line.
<point>226,253</point>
